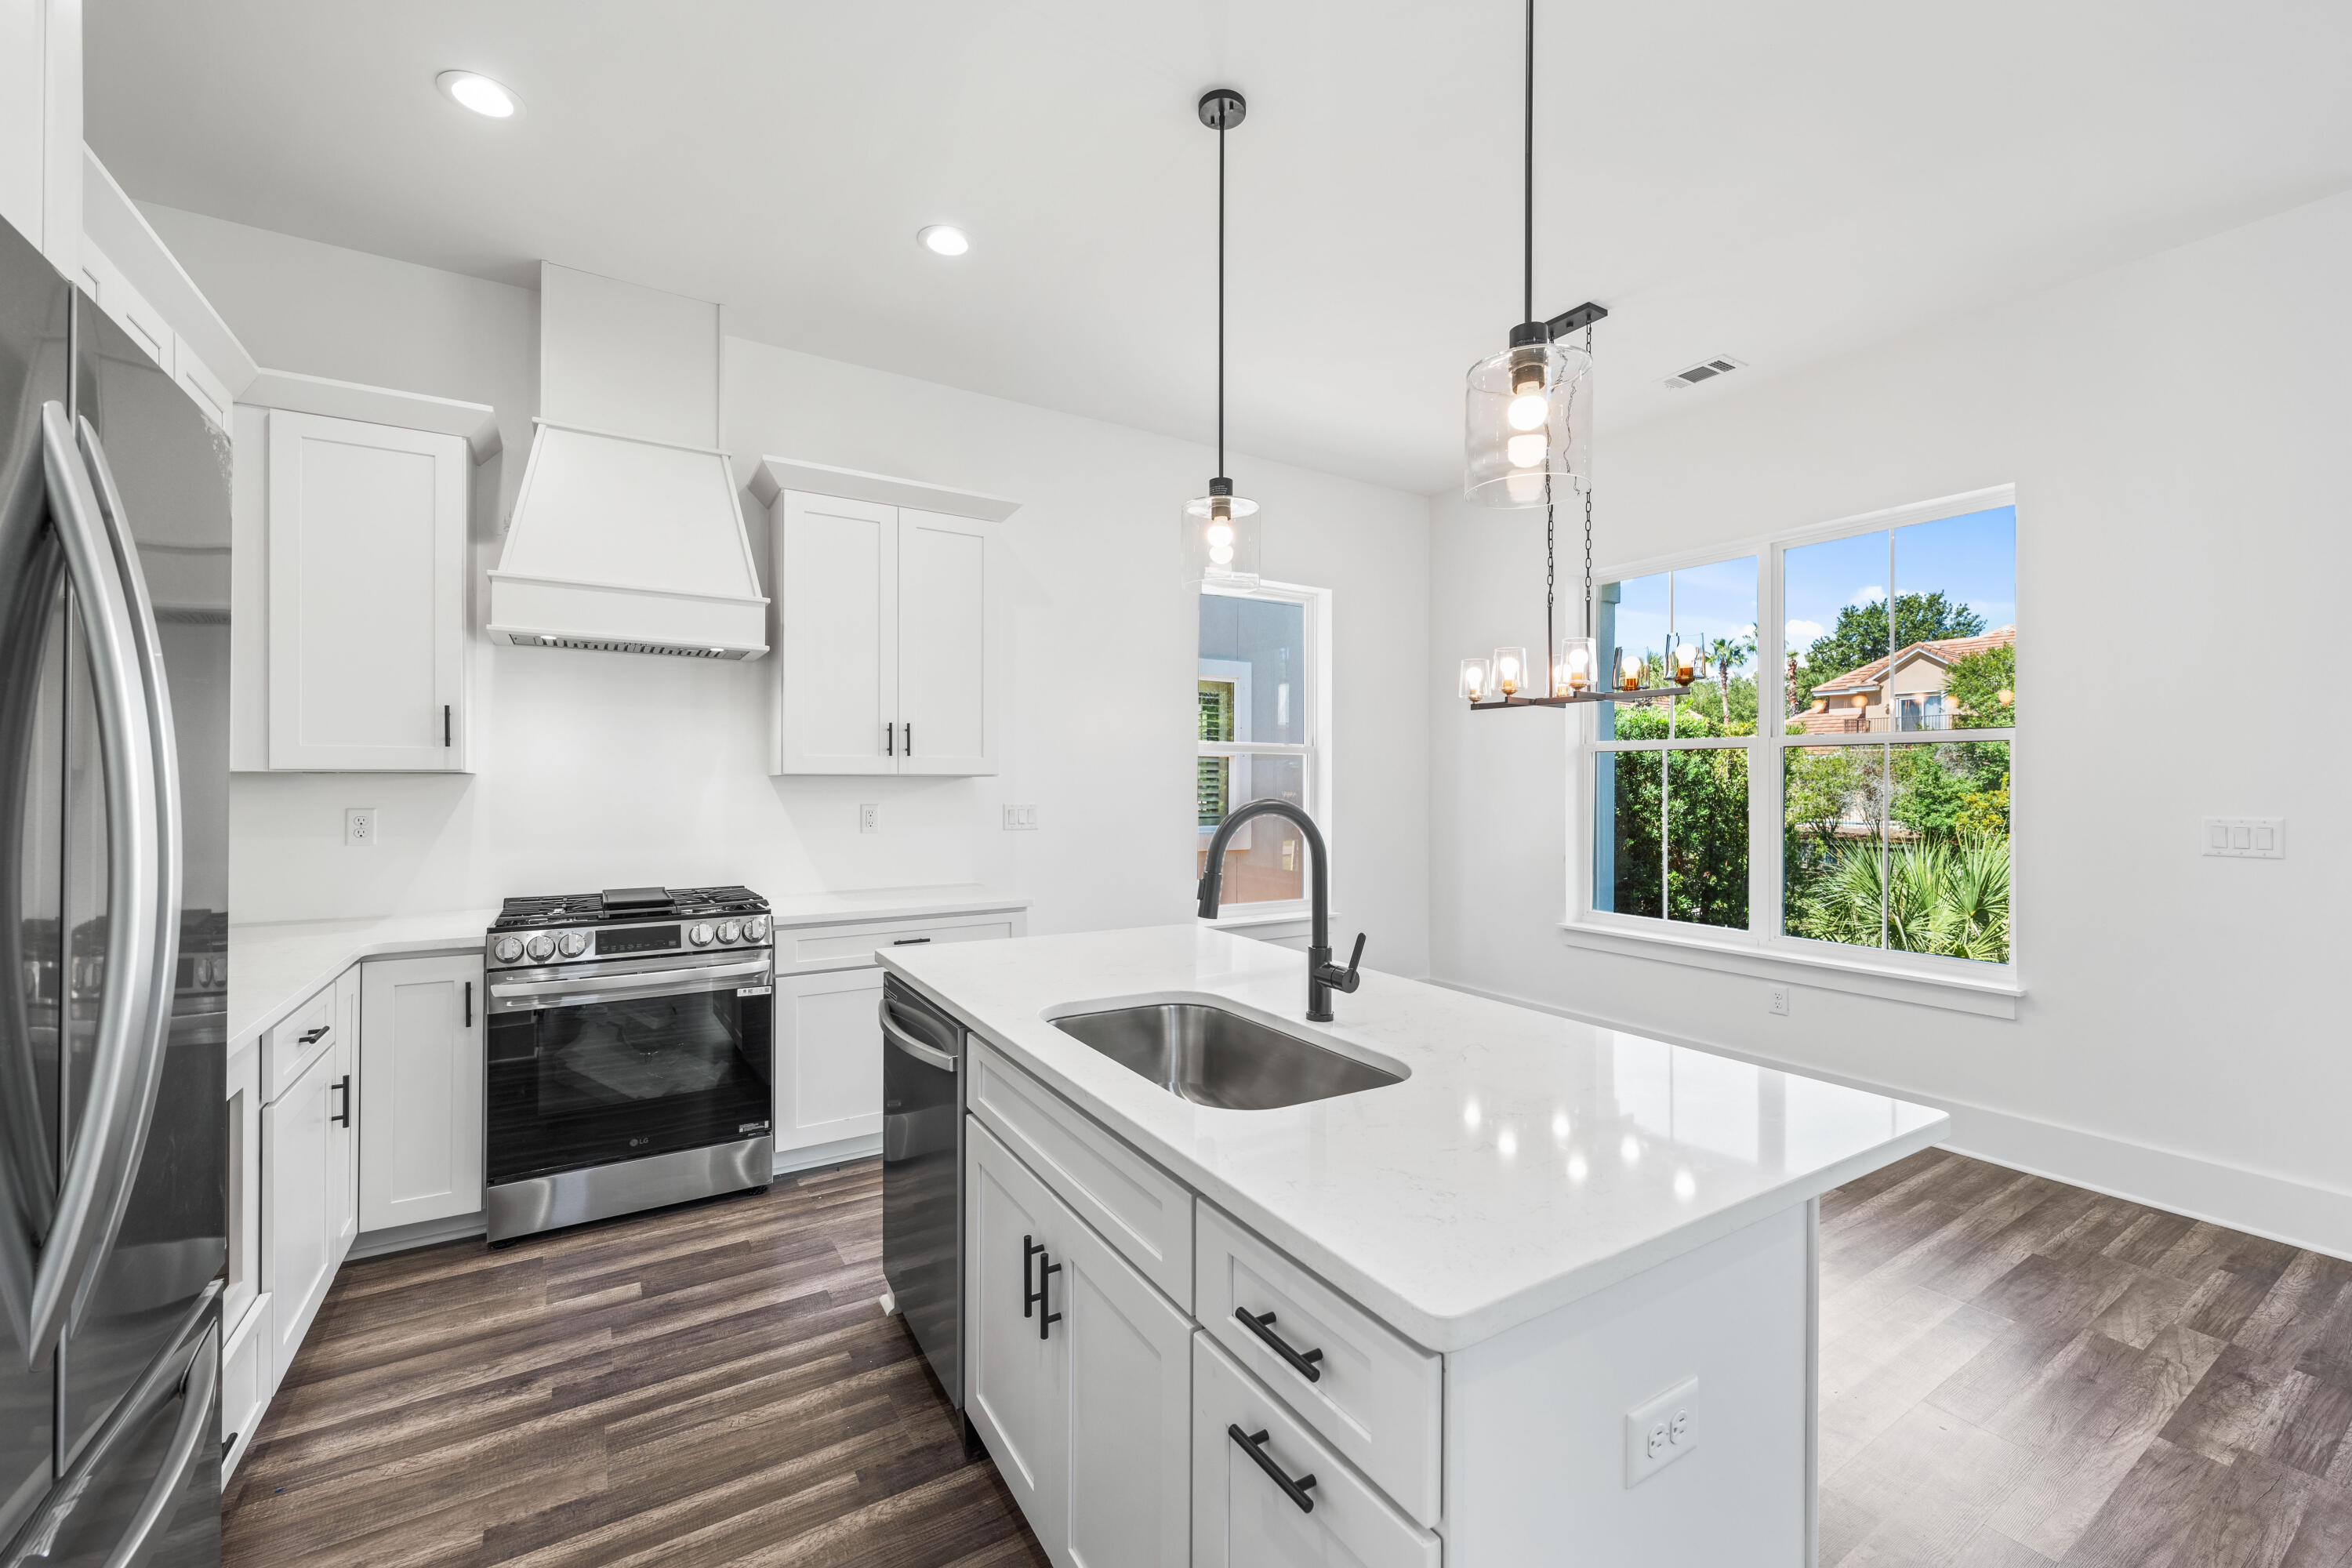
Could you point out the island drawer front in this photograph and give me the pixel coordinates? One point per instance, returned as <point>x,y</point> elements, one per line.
<point>1143,1211</point>
<point>1376,1398</point>
<point>289,1047</point>
<point>805,949</point>
<point>1241,1517</point>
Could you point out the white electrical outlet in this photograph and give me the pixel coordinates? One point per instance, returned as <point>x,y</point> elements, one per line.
<point>1020,819</point>
<point>1777,1002</point>
<point>359,826</point>
<point>1662,1431</point>
<point>869,819</point>
<point>2246,838</point>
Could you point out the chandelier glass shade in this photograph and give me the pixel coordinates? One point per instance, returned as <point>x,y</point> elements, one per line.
<point>1220,540</point>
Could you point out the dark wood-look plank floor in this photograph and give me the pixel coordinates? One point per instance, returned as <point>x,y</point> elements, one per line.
<point>2017,1374</point>
<point>712,1384</point>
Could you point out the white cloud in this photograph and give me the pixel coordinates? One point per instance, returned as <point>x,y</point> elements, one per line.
<point>1802,633</point>
<point>1870,596</point>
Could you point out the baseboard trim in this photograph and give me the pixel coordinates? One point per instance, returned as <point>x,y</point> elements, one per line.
<point>2259,1202</point>
<point>790,1161</point>
<point>423,1233</point>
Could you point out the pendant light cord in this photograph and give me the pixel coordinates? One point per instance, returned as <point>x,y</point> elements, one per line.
<point>1221,116</point>
<point>1527,221</point>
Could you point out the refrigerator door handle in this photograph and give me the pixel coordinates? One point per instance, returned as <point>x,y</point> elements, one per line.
<point>163,750</point>
<point>112,1127</point>
<point>188,1368</point>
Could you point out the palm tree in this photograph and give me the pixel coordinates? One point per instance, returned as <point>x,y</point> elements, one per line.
<point>1944,897</point>
<point>1728,652</point>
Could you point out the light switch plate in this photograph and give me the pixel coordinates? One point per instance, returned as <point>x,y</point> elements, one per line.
<point>359,826</point>
<point>1660,1431</point>
<point>2246,838</point>
<point>1020,819</point>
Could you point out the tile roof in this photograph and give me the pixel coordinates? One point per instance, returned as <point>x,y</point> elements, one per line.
<point>1943,650</point>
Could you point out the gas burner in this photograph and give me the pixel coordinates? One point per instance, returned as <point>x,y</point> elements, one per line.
<point>627,922</point>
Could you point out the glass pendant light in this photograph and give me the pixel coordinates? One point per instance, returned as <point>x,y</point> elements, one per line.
<point>1220,529</point>
<point>1525,408</point>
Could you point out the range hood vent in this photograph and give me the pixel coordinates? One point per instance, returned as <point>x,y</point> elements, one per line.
<point>628,534</point>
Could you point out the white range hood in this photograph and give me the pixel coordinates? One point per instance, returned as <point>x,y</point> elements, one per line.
<point>628,534</point>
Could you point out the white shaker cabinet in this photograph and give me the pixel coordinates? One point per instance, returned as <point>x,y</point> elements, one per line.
<point>40,125</point>
<point>890,632</point>
<point>421,1118</point>
<point>1081,1375</point>
<point>366,528</point>
<point>828,1057</point>
<point>310,1199</point>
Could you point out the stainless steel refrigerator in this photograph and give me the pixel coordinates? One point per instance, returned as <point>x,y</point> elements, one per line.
<point>115,552</point>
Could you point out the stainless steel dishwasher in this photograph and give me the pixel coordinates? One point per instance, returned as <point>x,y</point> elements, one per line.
<point>922,1178</point>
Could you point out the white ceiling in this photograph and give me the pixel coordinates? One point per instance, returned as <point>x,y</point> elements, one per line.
<point>1777,182</point>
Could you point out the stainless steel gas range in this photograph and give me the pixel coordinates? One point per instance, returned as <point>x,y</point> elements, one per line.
<point>629,1053</point>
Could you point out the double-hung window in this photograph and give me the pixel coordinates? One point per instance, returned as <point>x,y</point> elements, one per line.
<point>1839,780</point>
<point>1259,716</point>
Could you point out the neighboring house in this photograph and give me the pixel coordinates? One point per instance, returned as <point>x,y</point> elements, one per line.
<point>1906,692</point>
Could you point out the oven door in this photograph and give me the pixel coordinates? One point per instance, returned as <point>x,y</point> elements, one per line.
<point>618,1061</point>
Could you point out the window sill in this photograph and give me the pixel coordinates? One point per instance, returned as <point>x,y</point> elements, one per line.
<point>1988,998</point>
<point>1290,913</point>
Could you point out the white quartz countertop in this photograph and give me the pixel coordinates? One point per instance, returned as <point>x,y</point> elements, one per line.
<point>275,967</point>
<point>1527,1160</point>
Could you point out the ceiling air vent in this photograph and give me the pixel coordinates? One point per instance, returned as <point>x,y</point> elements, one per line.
<point>1706,370</point>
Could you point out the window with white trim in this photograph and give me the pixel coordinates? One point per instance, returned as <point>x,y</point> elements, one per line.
<point>1839,780</point>
<point>1259,718</point>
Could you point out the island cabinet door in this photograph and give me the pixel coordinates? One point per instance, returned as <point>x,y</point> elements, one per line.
<point>1268,1493</point>
<point>1017,1391</point>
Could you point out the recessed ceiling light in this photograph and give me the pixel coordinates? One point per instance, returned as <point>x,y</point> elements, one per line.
<point>945,240</point>
<point>480,93</point>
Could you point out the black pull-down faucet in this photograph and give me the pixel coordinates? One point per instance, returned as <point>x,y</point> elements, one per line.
<point>1323,976</point>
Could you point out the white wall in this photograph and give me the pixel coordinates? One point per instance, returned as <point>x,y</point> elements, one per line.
<point>2178,430</point>
<point>602,770</point>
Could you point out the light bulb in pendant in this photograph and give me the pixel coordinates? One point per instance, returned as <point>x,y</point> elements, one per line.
<point>1529,411</point>
<point>1222,555</point>
<point>1220,534</point>
<point>1525,451</point>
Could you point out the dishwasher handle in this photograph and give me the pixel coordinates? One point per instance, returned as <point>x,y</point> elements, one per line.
<point>931,1055</point>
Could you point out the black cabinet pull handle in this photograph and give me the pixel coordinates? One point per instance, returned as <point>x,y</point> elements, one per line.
<point>909,940</point>
<point>1046,1320</point>
<point>343,1117</point>
<point>445,723</point>
<point>1030,1294</point>
<point>469,1004</point>
<point>1301,1361</point>
<point>911,737</point>
<point>889,740</point>
<point>312,1036</point>
<point>1252,1443</point>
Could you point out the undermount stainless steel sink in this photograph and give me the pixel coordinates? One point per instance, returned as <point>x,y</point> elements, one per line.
<point>1211,1057</point>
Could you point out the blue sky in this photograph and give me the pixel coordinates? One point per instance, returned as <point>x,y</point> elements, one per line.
<point>1972,558</point>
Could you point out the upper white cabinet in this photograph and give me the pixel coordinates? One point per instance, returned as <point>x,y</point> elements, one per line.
<point>350,620</point>
<point>890,631</point>
<point>421,1116</point>
<point>40,125</point>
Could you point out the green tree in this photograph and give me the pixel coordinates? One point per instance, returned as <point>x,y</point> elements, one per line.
<point>1860,636</point>
<point>1678,819</point>
<point>1950,897</point>
<point>1729,654</point>
<point>1980,688</point>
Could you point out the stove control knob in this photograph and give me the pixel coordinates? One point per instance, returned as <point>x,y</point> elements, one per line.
<point>508,949</point>
<point>572,943</point>
<point>756,928</point>
<point>542,947</point>
<point>700,934</point>
<point>729,931</point>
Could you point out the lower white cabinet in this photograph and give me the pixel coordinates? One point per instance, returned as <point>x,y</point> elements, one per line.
<point>828,1057</point>
<point>1268,1493</point>
<point>309,1178</point>
<point>1080,1374</point>
<point>421,1058</point>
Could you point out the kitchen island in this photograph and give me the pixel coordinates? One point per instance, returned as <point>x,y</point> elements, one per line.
<point>1549,1297</point>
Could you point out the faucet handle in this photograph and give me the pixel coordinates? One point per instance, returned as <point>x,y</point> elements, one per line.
<point>1347,979</point>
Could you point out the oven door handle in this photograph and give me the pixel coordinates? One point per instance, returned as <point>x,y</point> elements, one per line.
<point>930,1055</point>
<point>570,992</point>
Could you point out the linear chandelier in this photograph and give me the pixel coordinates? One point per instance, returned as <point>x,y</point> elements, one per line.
<point>1527,438</point>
